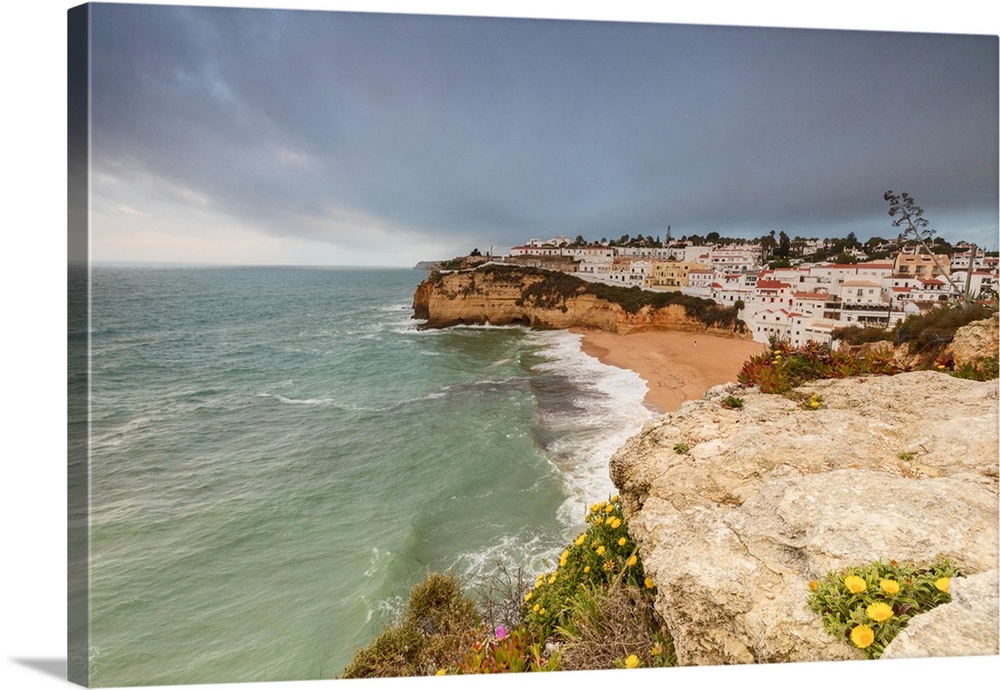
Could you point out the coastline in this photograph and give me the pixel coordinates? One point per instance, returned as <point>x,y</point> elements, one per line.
<point>676,365</point>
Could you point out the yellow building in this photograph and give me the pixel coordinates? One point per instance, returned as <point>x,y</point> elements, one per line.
<point>912,264</point>
<point>672,275</point>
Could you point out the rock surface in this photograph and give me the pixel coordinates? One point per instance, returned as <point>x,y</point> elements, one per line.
<point>975,342</point>
<point>772,496</point>
<point>504,297</point>
<point>967,626</point>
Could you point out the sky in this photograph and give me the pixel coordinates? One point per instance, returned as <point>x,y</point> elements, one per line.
<point>249,135</point>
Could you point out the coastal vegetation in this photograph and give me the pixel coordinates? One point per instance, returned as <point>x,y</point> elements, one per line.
<point>593,610</point>
<point>784,367</point>
<point>924,334</point>
<point>867,606</point>
<point>924,337</point>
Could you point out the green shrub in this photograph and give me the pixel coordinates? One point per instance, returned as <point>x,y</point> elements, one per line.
<point>928,334</point>
<point>440,623</point>
<point>856,335</point>
<point>867,606</point>
<point>396,652</point>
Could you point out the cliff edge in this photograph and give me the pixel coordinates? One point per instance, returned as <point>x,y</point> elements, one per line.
<point>512,295</point>
<point>771,496</point>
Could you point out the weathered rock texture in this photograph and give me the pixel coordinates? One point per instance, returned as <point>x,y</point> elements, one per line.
<point>505,297</point>
<point>772,496</point>
<point>975,342</point>
<point>967,626</point>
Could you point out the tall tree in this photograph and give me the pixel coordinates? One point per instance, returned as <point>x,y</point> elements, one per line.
<point>784,245</point>
<point>911,219</point>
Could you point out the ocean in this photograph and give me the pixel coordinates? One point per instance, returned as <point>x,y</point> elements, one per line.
<point>279,454</point>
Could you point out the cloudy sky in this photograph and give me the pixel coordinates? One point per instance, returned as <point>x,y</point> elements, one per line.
<point>307,137</point>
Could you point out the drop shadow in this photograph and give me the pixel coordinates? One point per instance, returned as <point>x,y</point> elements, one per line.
<point>50,667</point>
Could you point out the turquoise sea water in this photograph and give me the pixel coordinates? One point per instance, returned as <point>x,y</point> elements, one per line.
<point>279,454</point>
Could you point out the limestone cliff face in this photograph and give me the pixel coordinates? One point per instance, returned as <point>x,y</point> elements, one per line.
<point>533,298</point>
<point>772,496</point>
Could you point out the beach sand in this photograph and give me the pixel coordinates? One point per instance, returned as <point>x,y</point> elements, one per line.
<point>676,366</point>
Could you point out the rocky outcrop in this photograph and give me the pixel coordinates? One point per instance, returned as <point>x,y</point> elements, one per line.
<point>538,299</point>
<point>771,496</point>
<point>967,626</point>
<point>975,342</point>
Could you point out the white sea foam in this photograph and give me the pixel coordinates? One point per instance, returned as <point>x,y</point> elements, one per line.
<point>527,551</point>
<point>608,412</point>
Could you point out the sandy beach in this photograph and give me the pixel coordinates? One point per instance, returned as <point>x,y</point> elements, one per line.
<point>676,366</point>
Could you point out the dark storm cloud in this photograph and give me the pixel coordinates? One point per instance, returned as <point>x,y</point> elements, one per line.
<point>503,129</point>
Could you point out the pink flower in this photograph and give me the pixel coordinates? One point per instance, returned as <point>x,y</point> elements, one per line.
<point>501,632</point>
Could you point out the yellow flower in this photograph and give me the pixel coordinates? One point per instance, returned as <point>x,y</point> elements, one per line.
<point>586,568</point>
<point>598,520</point>
<point>649,583</point>
<point>632,560</point>
<point>552,579</point>
<point>441,672</point>
<point>813,585</point>
<point>862,636</point>
<point>890,587</point>
<point>631,661</point>
<point>855,584</point>
<point>616,523</point>
<point>579,540</point>
<point>536,607</point>
<point>942,583</point>
<point>655,651</point>
<point>813,404</point>
<point>600,550</point>
<point>541,612</point>
<point>609,508</point>
<point>622,541</point>
<point>563,558</point>
<point>527,597</point>
<point>615,498</point>
<point>594,508</point>
<point>609,566</point>
<point>879,611</point>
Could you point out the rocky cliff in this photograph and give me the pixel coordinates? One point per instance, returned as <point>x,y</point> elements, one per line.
<point>500,295</point>
<point>771,496</point>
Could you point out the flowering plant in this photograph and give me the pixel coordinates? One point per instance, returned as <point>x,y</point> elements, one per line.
<point>867,606</point>
<point>602,555</point>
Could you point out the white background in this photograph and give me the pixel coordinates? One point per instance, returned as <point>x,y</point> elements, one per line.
<point>33,317</point>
